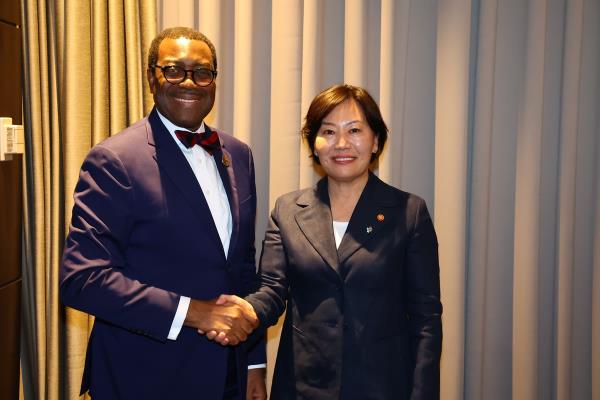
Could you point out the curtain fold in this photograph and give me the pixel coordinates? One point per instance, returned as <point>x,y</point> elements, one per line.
<point>493,114</point>
<point>453,131</point>
<point>40,342</point>
<point>84,80</point>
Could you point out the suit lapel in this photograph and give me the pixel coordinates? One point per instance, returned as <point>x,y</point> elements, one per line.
<point>368,219</point>
<point>171,160</point>
<point>315,221</point>
<point>227,173</point>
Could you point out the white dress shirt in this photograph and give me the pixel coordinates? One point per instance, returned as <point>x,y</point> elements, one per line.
<point>339,229</point>
<point>205,170</point>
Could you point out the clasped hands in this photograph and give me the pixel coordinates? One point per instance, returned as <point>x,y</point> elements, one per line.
<point>228,320</point>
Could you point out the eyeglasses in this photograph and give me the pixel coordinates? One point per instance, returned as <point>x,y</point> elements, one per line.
<point>174,74</point>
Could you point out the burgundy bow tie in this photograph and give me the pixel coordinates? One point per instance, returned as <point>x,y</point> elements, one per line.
<point>208,140</point>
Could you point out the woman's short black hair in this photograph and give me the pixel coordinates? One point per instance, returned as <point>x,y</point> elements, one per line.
<point>332,97</point>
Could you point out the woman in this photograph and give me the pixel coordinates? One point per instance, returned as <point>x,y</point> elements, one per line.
<point>356,261</point>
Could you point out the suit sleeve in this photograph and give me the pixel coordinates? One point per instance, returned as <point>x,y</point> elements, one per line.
<point>269,301</point>
<point>94,275</point>
<point>250,278</point>
<point>424,308</point>
<point>256,343</point>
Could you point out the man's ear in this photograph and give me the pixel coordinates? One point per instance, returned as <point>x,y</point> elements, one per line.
<point>151,79</point>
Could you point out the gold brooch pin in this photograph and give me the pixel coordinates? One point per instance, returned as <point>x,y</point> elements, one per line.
<point>225,160</point>
<point>380,217</point>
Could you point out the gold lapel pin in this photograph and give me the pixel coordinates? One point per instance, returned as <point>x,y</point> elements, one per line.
<point>369,229</point>
<point>380,217</point>
<point>225,160</point>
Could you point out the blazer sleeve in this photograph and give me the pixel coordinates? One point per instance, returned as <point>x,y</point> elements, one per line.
<point>256,344</point>
<point>250,280</point>
<point>93,274</point>
<point>257,350</point>
<point>269,301</point>
<point>423,304</point>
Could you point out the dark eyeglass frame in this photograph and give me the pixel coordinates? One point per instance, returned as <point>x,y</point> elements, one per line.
<point>192,72</point>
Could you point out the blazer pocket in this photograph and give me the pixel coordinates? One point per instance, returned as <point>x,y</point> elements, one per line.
<point>311,366</point>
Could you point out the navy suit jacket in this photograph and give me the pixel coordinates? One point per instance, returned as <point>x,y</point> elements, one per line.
<point>141,236</point>
<point>363,320</point>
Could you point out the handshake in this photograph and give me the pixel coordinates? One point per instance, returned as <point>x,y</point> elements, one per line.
<point>228,320</point>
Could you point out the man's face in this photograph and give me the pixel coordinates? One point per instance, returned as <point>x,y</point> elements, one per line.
<point>186,104</point>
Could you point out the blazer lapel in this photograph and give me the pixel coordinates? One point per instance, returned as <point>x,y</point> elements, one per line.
<point>172,161</point>
<point>367,220</point>
<point>315,221</point>
<point>227,173</point>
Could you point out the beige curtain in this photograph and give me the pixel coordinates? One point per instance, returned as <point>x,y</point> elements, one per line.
<point>493,109</point>
<point>84,80</point>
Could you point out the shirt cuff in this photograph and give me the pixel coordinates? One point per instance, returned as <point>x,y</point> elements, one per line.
<point>255,366</point>
<point>182,309</point>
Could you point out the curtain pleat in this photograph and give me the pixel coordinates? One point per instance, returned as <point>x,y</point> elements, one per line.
<point>242,77</point>
<point>393,76</point>
<point>527,296</point>
<point>84,80</point>
<point>285,97</point>
<point>41,346</point>
<point>355,42</point>
<point>312,34</point>
<point>208,17</point>
<point>579,159</point>
<point>453,126</point>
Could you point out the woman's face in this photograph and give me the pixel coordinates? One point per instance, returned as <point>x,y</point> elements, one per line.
<point>345,143</point>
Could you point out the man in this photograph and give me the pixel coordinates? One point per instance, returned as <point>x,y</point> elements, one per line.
<point>162,224</point>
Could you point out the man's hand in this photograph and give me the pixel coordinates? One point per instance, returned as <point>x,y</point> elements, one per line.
<point>257,388</point>
<point>223,337</point>
<point>233,322</point>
